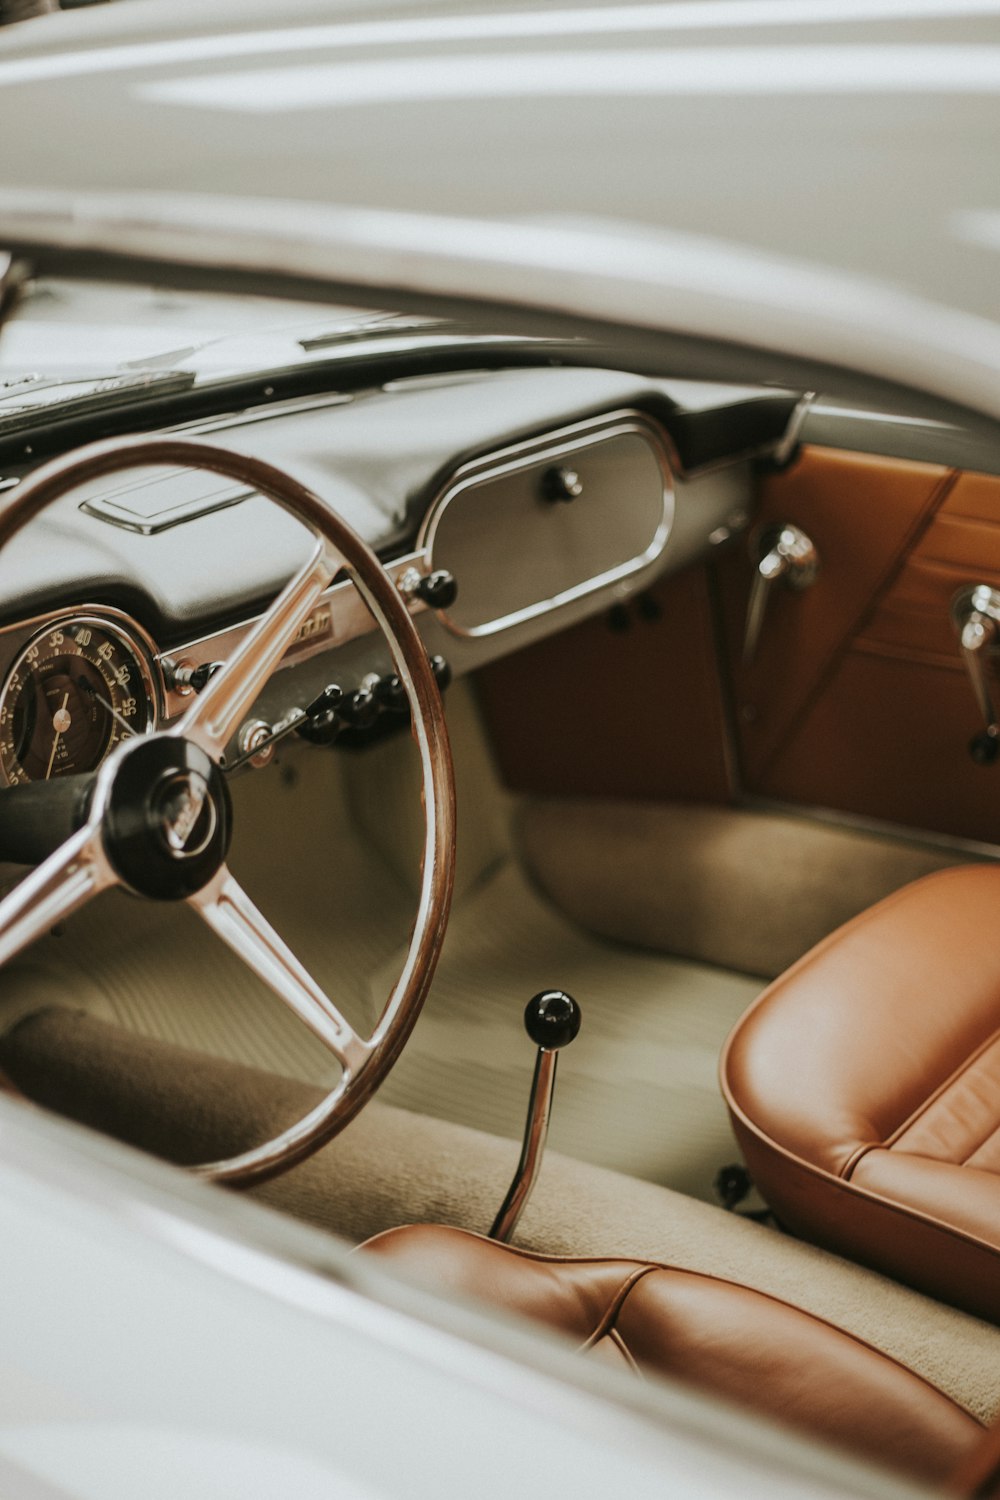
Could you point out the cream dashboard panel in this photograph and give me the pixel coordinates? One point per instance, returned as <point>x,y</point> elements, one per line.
<point>526,563</point>
<point>537,535</point>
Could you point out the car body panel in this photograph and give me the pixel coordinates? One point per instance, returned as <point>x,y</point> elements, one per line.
<point>368,150</point>
<point>242,1354</point>
<point>794,190</point>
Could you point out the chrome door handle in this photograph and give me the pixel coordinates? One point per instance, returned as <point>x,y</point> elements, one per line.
<point>783,553</point>
<point>975,613</point>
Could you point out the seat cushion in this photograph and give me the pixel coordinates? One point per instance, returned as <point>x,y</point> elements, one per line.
<point>864,1088</point>
<point>721,1337</point>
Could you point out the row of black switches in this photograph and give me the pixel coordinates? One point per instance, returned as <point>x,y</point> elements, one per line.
<point>367,712</point>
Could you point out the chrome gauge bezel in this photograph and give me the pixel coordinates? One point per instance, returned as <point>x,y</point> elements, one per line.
<point>126,632</point>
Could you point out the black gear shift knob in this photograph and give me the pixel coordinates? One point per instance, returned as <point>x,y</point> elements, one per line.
<point>552,1019</point>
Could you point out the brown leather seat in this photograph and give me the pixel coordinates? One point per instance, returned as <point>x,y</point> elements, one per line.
<point>739,1344</point>
<point>864,1088</point>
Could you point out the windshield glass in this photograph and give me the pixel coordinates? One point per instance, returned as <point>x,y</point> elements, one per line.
<point>67,339</point>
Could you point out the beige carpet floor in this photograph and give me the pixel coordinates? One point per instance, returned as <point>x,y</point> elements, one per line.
<point>637,1091</point>
<point>394,1167</point>
<point>328,846</point>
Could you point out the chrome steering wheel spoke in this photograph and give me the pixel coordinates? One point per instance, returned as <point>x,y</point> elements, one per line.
<point>228,910</point>
<point>74,873</point>
<point>224,702</point>
<point>161,810</point>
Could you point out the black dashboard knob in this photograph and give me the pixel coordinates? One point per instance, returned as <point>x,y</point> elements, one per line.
<point>322,724</point>
<point>182,677</point>
<point>562,483</point>
<point>438,589</point>
<point>552,1019</point>
<point>391,694</point>
<point>331,697</point>
<point>360,709</point>
<point>984,748</point>
<point>442,672</point>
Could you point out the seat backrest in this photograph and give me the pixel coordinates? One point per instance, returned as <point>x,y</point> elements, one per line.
<point>723,1338</point>
<point>864,1088</point>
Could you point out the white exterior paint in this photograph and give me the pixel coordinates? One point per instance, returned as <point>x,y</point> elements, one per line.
<point>796,178</point>
<point>150,1340</point>
<point>160,1338</point>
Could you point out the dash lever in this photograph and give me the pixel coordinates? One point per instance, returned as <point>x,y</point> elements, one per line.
<point>975,613</point>
<point>782,554</point>
<point>552,1020</point>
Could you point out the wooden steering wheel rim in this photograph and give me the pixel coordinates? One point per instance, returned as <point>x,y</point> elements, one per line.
<point>359,1081</point>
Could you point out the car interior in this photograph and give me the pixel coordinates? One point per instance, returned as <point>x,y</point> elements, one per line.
<point>716,760</point>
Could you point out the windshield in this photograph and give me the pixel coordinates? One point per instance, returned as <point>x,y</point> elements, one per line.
<point>69,342</point>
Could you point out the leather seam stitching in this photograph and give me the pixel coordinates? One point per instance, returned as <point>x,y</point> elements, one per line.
<point>615,1338</point>
<point>809,960</point>
<point>855,1338</point>
<point>830,1180</point>
<point>536,1255</point>
<point>977,1148</point>
<point>643,1268</point>
<point>942,1088</point>
<point>847,1170</point>
<point>607,1321</point>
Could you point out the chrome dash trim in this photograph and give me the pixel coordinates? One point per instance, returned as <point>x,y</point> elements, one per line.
<point>550,448</point>
<point>339,616</point>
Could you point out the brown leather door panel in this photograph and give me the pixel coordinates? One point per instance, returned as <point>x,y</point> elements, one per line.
<point>961,546</point>
<point>858,699</point>
<point>864,514</point>
<point>888,739</point>
<point>627,704</point>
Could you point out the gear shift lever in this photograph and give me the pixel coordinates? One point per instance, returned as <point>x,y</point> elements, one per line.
<point>552,1020</point>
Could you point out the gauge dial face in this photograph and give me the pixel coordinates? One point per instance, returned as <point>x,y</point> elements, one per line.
<point>75,692</point>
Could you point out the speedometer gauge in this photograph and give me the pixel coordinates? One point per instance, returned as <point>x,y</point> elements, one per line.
<point>77,690</point>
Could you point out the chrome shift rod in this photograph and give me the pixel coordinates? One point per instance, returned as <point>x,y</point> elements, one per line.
<point>552,1020</point>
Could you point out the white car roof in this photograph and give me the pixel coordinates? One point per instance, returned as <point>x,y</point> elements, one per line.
<point>812,177</point>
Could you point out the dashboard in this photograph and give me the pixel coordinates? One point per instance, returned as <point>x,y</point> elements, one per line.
<point>506,504</point>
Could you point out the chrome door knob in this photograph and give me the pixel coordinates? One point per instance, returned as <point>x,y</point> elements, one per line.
<point>975,613</point>
<point>784,554</point>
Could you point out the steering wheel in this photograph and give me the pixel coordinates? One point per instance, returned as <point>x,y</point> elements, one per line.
<point>158,818</point>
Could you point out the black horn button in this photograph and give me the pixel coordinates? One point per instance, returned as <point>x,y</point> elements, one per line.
<point>184,809</point>
<point>168,821</point>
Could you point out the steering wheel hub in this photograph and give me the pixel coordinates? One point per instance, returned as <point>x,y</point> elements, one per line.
<point>159,819</point>
<point>167,820</point>
<point>188,816</point>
